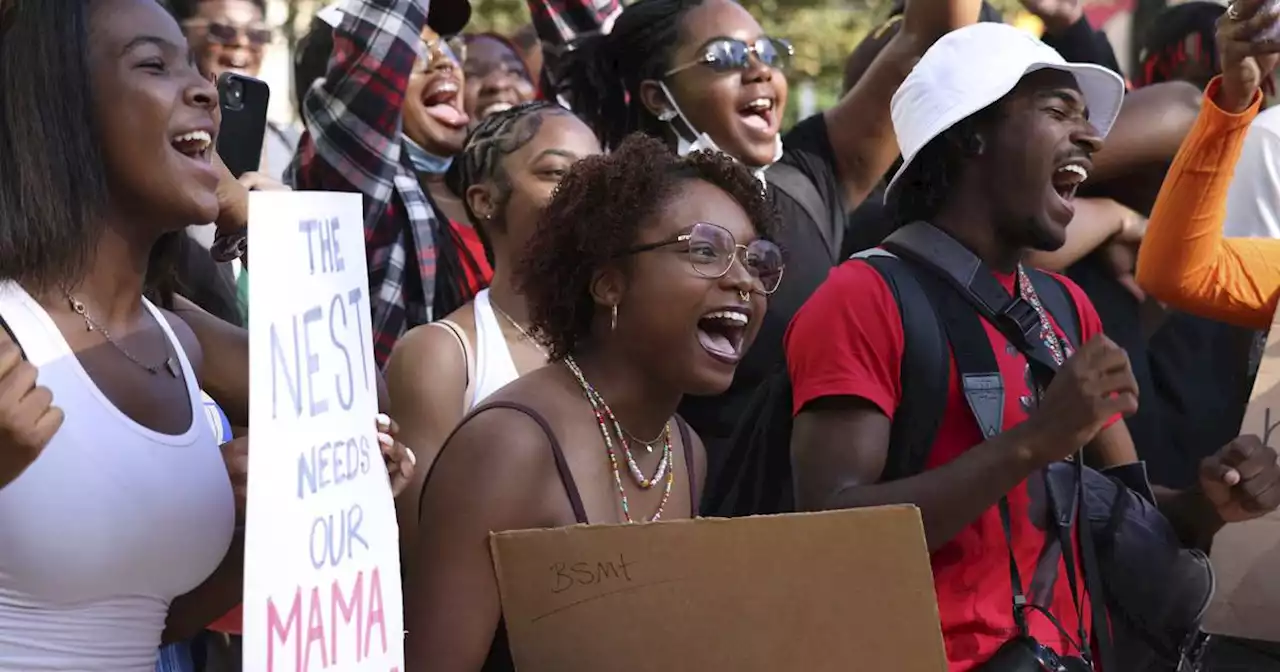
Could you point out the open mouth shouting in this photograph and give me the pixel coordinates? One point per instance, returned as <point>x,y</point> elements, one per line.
<point>721,333</point>
<point>1068,178</point>
<point>760,115</point>
<point>1066,181</point>
<point>195,145</point>
<point>441,99</point>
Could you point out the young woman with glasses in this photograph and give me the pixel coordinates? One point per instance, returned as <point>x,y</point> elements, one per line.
<point>646,280</point>
<point>703,74</point>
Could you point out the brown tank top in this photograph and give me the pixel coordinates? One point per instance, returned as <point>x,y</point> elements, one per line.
<point>499,658</point>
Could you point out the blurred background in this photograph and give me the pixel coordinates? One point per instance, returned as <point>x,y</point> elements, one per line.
<point>823,32</point>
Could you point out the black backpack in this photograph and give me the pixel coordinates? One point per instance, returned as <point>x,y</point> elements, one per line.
<point>1155,591</point>
<point>756,478</point>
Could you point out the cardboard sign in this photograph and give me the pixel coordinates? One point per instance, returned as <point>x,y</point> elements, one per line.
<point>322,570</point>
<point>838,591</point>
<point>1246,556</point>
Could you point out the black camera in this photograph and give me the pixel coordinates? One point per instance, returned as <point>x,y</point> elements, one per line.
<point>1025,654</point>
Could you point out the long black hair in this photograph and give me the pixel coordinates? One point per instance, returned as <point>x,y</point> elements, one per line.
<point>495,137</point>
<point>601,78</point>
<point>53,182</point>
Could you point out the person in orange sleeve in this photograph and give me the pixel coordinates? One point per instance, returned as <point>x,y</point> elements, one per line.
<point>1185,261</point>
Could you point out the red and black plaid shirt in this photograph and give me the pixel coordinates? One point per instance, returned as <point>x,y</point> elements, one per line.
<point>353,143</point>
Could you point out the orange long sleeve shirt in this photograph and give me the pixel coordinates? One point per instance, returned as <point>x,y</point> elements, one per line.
<point>1184,260</point>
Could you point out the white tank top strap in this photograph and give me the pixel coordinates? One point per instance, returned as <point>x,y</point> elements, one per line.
<point>494,365</point>
<point>468,359</point>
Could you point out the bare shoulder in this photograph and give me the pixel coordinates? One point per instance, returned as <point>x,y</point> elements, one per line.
<point>498,461</point>
<point>432,352</point>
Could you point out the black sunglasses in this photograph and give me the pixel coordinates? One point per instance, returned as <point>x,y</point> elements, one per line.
<point>725,54</point>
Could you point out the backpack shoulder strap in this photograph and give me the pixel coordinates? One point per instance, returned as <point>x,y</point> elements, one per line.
<point>1057,300</point>
<point>789,180</point>
<point>925,370</point>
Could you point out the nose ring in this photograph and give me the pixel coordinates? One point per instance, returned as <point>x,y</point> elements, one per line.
<point>745,295</point>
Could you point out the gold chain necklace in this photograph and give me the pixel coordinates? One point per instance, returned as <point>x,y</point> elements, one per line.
<point>169,364</point>
<point>525,335</point>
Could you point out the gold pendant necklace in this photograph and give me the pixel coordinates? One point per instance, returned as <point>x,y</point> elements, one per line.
<point>170,364</point>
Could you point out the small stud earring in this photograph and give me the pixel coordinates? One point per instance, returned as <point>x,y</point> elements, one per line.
<point>613,321</point>
<point>667,115</point>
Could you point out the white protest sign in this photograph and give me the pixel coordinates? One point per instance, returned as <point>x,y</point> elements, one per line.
<point>322,570</point>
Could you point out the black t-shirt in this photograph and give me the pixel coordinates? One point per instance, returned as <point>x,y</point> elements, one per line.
<point>808,258</point>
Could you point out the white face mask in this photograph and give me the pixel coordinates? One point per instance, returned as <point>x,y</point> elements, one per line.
<point>704,141</point>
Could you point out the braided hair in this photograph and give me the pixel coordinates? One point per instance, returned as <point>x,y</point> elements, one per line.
<point>492,140</point>
<point>1185,33</point>
<point>601,78</point>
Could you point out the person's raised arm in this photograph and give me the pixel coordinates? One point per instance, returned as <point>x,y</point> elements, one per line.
<point>1184,260</point>
<point>859,126</point>
<point>1096,221</point>
<point>1149,130</point>
<point>560,24</point>
<point>353,115</point>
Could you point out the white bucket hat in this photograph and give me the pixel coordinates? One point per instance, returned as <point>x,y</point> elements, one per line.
<point>969,69</point>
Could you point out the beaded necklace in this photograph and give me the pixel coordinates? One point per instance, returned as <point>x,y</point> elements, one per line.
<point>1057,349</point>
<point>610,427</point>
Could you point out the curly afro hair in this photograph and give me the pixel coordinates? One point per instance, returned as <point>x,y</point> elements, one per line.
<point>596,215</point>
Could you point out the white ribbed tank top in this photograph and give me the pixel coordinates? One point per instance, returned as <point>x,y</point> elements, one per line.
<point>495,367</point>
<point>109,524</point>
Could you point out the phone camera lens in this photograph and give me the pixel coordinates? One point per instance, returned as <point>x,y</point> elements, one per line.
<point>233,94</point>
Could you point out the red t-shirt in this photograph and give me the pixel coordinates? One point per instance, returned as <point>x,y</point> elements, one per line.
<point>847,340</point>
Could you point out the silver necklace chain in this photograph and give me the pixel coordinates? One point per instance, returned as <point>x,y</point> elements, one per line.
<point>169,364</point>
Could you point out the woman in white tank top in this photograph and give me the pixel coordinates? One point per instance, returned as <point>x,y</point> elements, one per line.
<point>115,500</point>
<point>437,372</point>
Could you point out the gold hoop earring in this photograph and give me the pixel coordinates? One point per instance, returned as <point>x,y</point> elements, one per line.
<point>613,321</point>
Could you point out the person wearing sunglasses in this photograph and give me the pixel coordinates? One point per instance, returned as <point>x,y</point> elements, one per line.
<point>233,36</point>
<point>646,280</point>
<point>705,75</point>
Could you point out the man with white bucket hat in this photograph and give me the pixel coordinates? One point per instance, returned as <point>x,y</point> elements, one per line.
<point>996,132</point>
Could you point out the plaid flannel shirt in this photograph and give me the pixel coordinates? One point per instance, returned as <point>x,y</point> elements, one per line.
<point>561,23</point>
<point>353,143</point>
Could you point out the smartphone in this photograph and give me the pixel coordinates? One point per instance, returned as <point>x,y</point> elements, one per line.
<point>243,101</point>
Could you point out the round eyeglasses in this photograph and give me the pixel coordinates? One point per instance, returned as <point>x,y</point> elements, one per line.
<point>712,249</point>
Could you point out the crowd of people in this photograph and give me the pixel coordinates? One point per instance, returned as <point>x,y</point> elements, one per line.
<point>997,280</point>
